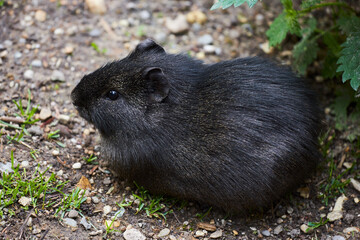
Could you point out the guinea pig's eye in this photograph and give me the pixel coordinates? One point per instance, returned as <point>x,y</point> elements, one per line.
<point>113,95</point>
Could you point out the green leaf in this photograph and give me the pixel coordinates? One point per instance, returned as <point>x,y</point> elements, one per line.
<point>278,30</point>
<point>228,3</point>
<point>329,65</point>
<point>304,53</point>
<point>349,60</point>
<point>311,26</point>
<point>349,24</point>
<point>344,97</point>
<point>332,43</point>
<point>309,3</point>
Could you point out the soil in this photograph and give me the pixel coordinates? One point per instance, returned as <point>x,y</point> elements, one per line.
<point>72,40</point>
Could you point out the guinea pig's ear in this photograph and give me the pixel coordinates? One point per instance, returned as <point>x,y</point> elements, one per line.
<point>148,45</point>
<point>157,84</point>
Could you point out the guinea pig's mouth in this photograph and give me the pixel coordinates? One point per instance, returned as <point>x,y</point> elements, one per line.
<point>84,114</point>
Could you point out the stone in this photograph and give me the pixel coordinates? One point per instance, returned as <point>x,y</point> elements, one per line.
<point>355,184</point>
<point>57,76</point>
<point>160,37</point>
<point>25,164</point>
<point>29,74</point>
<point>133,234</point>
<point>73,213</point>
<point>95,32</point>
<point>107,209</point>
<point>55,152</point>
<point>59,31</point>
<point>96,6</point>
<point>164,232</point>
<point>178,25</point>
<point>337,213</point>
<point>25,201</point>
<point>36,130</point>
<point>205,39</point>
<point>64,119</point>
<point>337,237</point>
<point>209,49</point>
<point>95,199</point>
<point>305,228</point>
<point>45,113</point>
<point>70,222</point>
<point>266,233</point>
<point>76,165</point>
<point>278,229</point>
<point>216,234</point>
<point>349,230</point>
<point>86,225</point>
<point>196,17</point>
<point>6,167</point>
<point>40,15</point>
<point>17,55</point>
<point>206,226</point>
<point>36,63</point>
<point>199,234</point>
<point>145,14</point>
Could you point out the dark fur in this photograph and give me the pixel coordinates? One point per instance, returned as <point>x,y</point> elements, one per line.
<point>237,134</point>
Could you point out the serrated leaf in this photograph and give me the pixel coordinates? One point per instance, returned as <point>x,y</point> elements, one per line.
<point>304,53</point>
<point>227,3</point>
<point>278,30</point>
<point>311,25</point>
<point>349,60</point>
<point>309,3</point>
<point>349,24</point>
<point>292,22</point>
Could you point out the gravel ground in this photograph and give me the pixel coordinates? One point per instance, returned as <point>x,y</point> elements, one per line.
<point>46,46</point>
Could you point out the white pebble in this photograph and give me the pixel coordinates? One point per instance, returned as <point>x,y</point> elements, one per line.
<point>76,165</point>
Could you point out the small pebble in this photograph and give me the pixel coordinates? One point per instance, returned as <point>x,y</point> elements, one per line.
<point>95,199</point>
<point>337,237</point>
<point>17,55</point>
<point>40,15</point>
<point>164,232</point>
<point>199,234</point>
<point>25,164</point>
<point>107,209</point>
<point>86,225</point>
<point>205,39</point>
<point>96,6</point>
<point>178,25</point>
<point>57,76</point>
<point>133,234</point>
<point>209,49</point>
<point>144,15</point>
<point>355,184</point>
<point>29,74</point>
<point>73,213</point>
<point>55,152</point>
<point>45,113</point>
<point>278,229</point>
<point>76,165</point>
<point>266,233</point>
<point>95,32</point>
<point>36,63</point>
<point>70,222</point>
<point>59,31</point>
<point>350,230</point>
<point>25,201</point>
<point>216,234</point>
<point>64,119</point>
<point>305,228</point>
<point>107,181</point>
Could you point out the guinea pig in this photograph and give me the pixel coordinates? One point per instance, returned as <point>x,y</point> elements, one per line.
<point>237,134</point>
